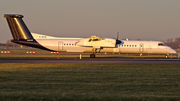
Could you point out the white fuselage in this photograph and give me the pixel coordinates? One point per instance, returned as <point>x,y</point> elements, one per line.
<point>69,45</point>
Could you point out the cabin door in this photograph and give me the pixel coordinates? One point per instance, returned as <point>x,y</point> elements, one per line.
<point>141,47</point>
<point>60,45</point>
<point>119,46</point>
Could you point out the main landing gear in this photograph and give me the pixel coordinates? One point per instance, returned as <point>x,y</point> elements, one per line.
<point>92,56</point>
<point>94,51</point>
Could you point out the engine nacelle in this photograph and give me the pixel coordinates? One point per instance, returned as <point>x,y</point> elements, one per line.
<point>97,42</point>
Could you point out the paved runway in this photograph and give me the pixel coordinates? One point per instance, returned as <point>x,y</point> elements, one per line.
<point>96,61</point>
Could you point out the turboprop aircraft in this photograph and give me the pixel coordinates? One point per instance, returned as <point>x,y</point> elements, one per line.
<point>93,44</point>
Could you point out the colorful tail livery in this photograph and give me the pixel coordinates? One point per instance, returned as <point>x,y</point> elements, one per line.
<point>20,32</point>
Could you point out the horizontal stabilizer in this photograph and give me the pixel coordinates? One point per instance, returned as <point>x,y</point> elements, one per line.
<point>13,16</point>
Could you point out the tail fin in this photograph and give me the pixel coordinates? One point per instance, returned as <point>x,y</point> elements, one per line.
<point>20,32</point>
<point>18,28</point>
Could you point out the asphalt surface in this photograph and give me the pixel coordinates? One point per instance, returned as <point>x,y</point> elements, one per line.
<point>95,61</point>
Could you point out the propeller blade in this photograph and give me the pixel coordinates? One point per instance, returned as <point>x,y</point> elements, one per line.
<point>118,41</point>
<point>117,35</point>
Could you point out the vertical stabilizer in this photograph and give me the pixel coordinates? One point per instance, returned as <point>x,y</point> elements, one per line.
<point>18,28</point>
<point>20,32</point>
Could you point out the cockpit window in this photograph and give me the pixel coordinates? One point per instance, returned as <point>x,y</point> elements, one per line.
<point>94,38</point>
<point>161,44</point>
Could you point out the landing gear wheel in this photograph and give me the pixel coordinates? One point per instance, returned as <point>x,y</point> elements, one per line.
<point>92,56</point>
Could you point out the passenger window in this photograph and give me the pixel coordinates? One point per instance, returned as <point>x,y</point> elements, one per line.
<point>124,45</point>
<point>132,45</point>
<point>135,45</point>
<point>127,45</point>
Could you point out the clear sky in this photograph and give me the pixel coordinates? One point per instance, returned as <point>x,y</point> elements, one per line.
<point>134,19</point>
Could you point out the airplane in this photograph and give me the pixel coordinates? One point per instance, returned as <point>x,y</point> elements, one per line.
<point>93,44</point>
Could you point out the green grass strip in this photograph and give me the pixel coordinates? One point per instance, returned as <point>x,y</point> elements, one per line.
<point>87,82</point>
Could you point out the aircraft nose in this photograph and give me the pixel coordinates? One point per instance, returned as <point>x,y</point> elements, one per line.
<point>172,51</point>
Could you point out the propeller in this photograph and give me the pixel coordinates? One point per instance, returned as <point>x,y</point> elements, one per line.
<point>118,41</point>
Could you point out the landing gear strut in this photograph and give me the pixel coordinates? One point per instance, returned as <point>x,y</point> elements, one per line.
<point>94,51</point>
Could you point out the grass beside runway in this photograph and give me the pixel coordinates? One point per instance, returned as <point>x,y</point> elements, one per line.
<point>49,81</point>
